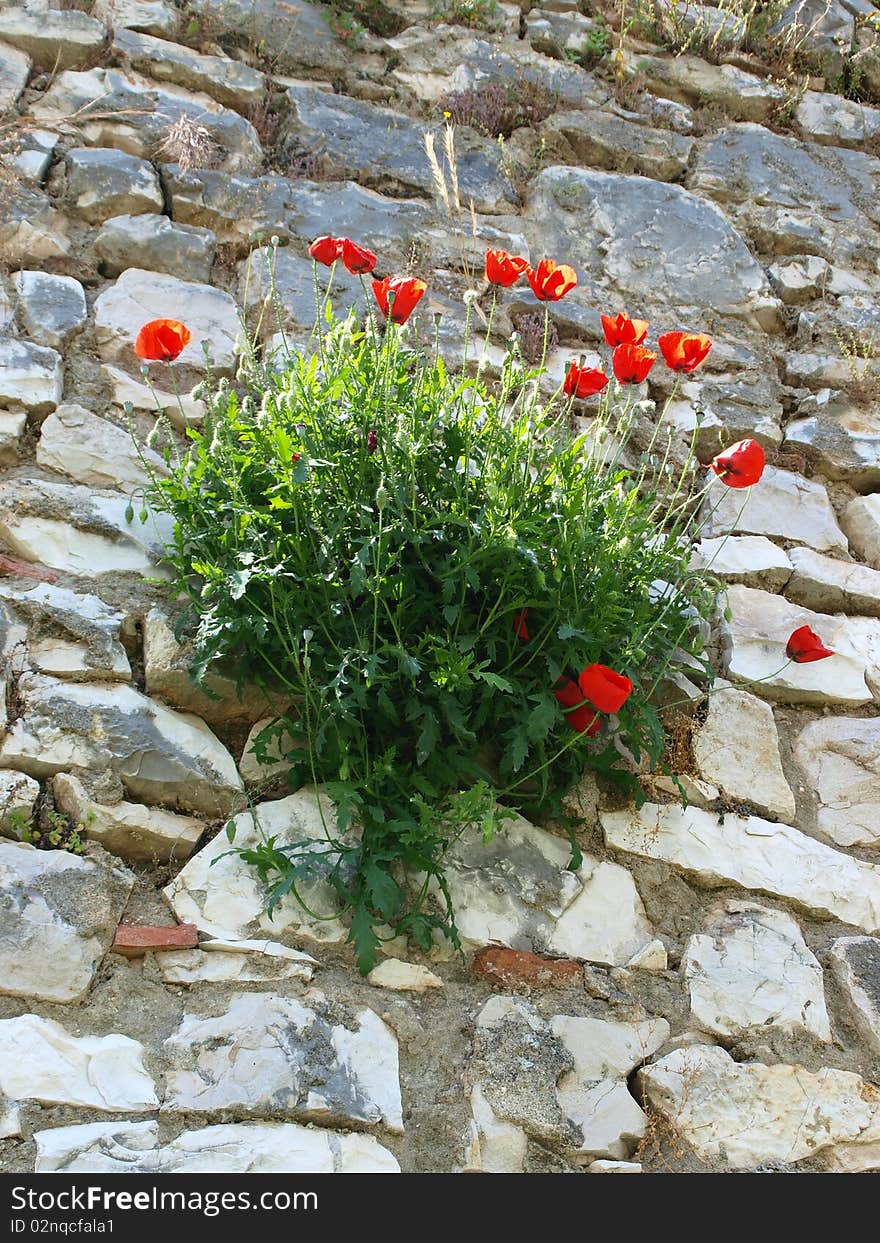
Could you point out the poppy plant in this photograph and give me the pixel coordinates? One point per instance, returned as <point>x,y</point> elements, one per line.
<point>621,330</point>
<point>521,625</point>
<point>684,351</point>
<point>606,689</point>
<point>504,269</point>
<point>326,250</point>
<point>631,363</point>
<point>583,381</point>
<point>741,465</point>
<point>357,258</point>
<point>580,716</point>
<point>805,646</point>
<point>162,340</point>
<point>398,296</point>
<point>551,281</point>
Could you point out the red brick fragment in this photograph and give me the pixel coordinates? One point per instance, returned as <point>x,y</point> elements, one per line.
<point>24,569</point>
<point>518,968</point>
<point>133,940</point>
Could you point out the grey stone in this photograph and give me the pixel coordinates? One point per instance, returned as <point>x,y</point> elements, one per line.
<point>236,208</point>
<point>15,68</point>
<point>100,182</point>
<point>855,963</point>
<point>385,149</point>
<point>839,434</point>
<point>275,284</point>
<point>58,915</point>
<point>71,635</point>
<point>600,139</point>
<point>94,451</point>
<point>54,38</point>
<point>823,27</point>
<point>840,758</point>
<point>13,424</point>
<point>159,755</point>
<point>831,586</point>
<point>33,154</point>
<point>18,797</point>
<point>266,1055</point>
<point>297,32</point>
<point>690,80</point>
<point>836,121</point>
<point>30,375</point>
<point>153,244</point>
<point>799,280</point>
<point>154,17</point>
<point>230,82</point>
<point>30,228</point>
<point>131,112</point>
<point>51,308</point>
<point>731,406</point>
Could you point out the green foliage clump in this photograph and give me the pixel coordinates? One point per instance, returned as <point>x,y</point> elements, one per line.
<point>362,530</point>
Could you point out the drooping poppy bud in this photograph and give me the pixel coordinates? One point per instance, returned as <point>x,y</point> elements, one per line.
<point>583,381</point>
<point>357,258</point>
<point>372,441</point>
<point>405,293</point>
<point>606,689</point>
<point>504,269</point>
<point>621,330</point>
<point>804,646</point>
<point>580,716</point>
<point>326,250</point>
<point>521,625</point>
<point>741,465</point>
<point>551,281</point>
<point>632,363</point>
<point>162,340</point>
<point>684,351</point>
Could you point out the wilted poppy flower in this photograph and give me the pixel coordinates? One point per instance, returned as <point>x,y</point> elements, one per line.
<point>521,625</point>
<point>632,363</point>
<point>684,351</point>
<point>606,690</point>
<point>405,293</point>
<point>621,330</point>
<point>551,281</point>
<point>504,269</point>
<point>580,716</point>
<point>805,646</point>
<point>326,250</point>
<point>162,340</point>
<point>583,381</point>
<point>357,258</point>
<point>741,465</point>
<point>372,440</point>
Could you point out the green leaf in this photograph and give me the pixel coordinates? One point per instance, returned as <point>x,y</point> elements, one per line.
<point>362,935</point>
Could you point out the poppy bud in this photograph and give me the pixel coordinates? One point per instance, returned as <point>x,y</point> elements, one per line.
<point>372,441</point>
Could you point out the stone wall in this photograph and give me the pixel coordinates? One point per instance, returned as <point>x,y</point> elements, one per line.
<point>704,991</point>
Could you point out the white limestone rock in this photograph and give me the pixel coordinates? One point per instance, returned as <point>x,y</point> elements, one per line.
<point>855,964</point>
<point>403,977</point>
<point>755,854</point>
<point>840,759</point>
<point>15,69</point>
<point>614,1167</point>
<point>13,424</point>
<point>861,521</point>
<point>10,1121</point>
<point>52,309</point>
<point>742,1115</point>
<point>132,831</point>
<point>154,243</point>
<point>30,375</point>
<point>832,586</point>
<point>181,408</point>
<point>828,118</point>
<point>737,748</point>
<point>160,756</point>
<point>139,296</point>
<point>72,635</point>
<point>226,900</point>
<point>18,797</point>
<point>751,967</point>
<point>266,1054</point>
<point>91,450</point>
<point>240,962</point>
<point>233,1148</point>
<point>799,280</point>
<point>754,641</point>
<point>230,82</point>
<point>154,17</point>
<point>40,1061</point>
<point>58,916</point>
<point>752,560</point>
<point>254,771</point>
<point>784,506</point>
<point>517,891</point>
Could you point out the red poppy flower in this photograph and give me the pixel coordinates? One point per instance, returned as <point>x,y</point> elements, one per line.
<point>162,340</point>
<point>580,716</point>
<point>741,465</point>
<point>606,690</point>
<point>583,381</point>
<point>357,258</point>
<point>621,330</point>
<point>684,351</point>
<point>521,625</point>
<point>551,281</point>
<point>632,363</point>
<point>504,269</point>
<point>805,646</point>
<point>405,291</point>
<point>326,250</point>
